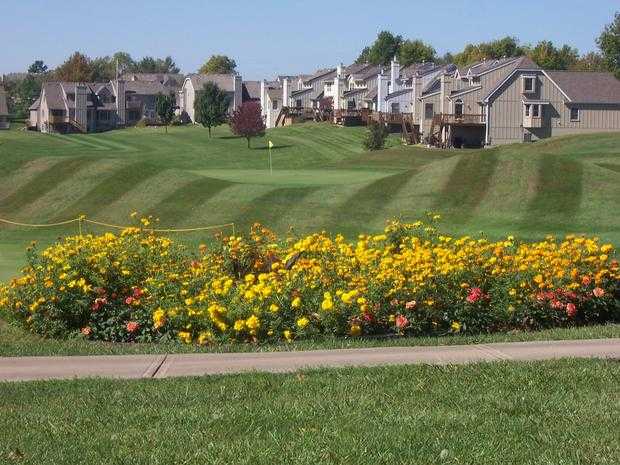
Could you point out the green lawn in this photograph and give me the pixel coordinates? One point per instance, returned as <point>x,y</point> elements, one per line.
<point>322,180</point>
<point>559,412</point>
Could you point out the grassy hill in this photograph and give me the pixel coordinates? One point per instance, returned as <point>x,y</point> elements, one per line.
<point>322,179</point>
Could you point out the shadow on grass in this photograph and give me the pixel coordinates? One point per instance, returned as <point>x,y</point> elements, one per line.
<point>110,189</point>
<point>275,147</point>
<point>558,193</point>
<point>43,183</point>
<point>467,184</point>
<point>170,210</point>
<point>268,209</point>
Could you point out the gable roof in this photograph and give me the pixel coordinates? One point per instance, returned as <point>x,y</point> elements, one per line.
<point>225,82</point>
<point>587,87</point>
<point>250,90</point>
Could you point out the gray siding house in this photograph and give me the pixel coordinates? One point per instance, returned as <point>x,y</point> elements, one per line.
<point>194,83</point>
<point>4,110</point>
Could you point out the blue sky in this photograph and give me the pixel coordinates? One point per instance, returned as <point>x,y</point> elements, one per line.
<point>280,37</point>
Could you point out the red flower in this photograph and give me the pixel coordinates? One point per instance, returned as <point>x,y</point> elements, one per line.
<point>137,292</point>
<point>367,317</point>
<point>571,310</point>
<point>133,326</point>
<point>401,321</point>
<point>598,292</point>
<point>475,294</point>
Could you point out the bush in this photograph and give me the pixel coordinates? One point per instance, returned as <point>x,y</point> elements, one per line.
<point>375,137</point>
<point>411,280</point>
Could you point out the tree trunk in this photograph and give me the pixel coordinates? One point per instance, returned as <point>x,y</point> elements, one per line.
<point>166,126</point>
<point>209,132</point>
<point>248,142</point>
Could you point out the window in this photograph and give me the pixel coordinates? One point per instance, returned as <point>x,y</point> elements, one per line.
<point>298,103</point>
<point>458,108</point>
<point>351,104</point>
<point>529,84</point>
<point>395,107</point>
<point>535,111</point>
<point>527,109</point>
<point>574,114</point>
<point>274,105</point>
<point>429,111</point>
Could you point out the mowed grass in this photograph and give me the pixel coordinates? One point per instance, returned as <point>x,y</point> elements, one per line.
<point>322,179</point>
<point>557,412</point>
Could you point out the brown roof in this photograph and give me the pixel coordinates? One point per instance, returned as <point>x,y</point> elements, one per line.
<point>146,87</point>
<point>250,90</point>
<point>225,82</point>
<point>588,87</point>
<point>274,94</point>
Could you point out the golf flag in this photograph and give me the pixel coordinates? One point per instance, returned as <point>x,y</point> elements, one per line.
<point>270,144</point>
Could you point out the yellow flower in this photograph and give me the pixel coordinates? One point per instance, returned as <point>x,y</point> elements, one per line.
<point>205,337</point>
<point>273,308</point>
<point>296,303</point>
<point>327,303</point>
<point>239,325</point>
<point>288,335</point>
<point>159,318</point>
<point>253,323</point>
<point>302,322</point>
<point>455,326</point>
<point>355,330</point>
<point>185,337</point>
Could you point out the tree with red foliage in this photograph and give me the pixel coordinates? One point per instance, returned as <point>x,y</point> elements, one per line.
<point>247,121</point>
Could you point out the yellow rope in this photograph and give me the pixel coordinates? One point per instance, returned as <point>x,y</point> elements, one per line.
<point>39,225</point>
<point>82,219</point>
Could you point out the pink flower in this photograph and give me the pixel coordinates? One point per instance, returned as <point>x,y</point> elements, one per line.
<point>133,326</point>
<point>401,321</point>
<point>129,300</point>
<point>598,292</point>
<point>86,331</point>
<point>368,317</point>
<point>411,305</point>
<point>557,304</point>
<point>475,294</point>
<point>571,310</point>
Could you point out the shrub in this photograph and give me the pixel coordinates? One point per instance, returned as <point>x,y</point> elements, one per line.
<point>137,286</point>
<point>375,136</point>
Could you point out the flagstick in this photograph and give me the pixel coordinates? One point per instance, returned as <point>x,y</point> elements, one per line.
<point>270,167</point>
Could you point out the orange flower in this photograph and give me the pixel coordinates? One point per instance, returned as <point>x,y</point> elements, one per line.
<point>133,326</point>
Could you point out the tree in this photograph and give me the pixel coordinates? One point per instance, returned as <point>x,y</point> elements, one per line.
<point>22,93</point>
<point>416,51</point>
<point>548,56</point>
<point>591,61</point>
<point>382,50</point>
<point>211,106</point>
<point>609,44</point>
<point>124,61</point>
<point>38,67</point>
<point>77,68</point>
<point>164,106</point>
<point>494,49</point>
<point>218,64</point>
<point>375,137</point>
<point>247,121</point>
<point>155,65</point>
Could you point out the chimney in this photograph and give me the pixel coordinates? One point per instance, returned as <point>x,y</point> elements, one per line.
<point>394,74</point>
<point>382,91</point>
<point>81,102</point>
<point>285,92</point>
<point>339,70</point>
<point>121,102</point>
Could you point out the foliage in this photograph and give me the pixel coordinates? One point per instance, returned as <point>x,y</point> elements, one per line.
<point>375,136</point>
<point>416,51</point>
<point>155,65</point>
<point>22,93</point>
<point>546,55</point>
<point>38,67</point>
<point>211,106</point>
<point>218,64</point>
<point>504,47</point>
<point>591,61</point>
<point>77,68</point>
<point>247,121</point>
<point>609,43</point>
<point>382,50</point>
<point>164,106</point>
<point>411,279</point>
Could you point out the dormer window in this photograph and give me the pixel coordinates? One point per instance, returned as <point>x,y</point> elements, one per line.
<point>529,84</point>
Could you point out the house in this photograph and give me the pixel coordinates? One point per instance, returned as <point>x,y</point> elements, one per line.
<point>250,91</point>
<point>91,107</point>
<point>171,80</point>
<point>513,100</point>
<point>194,83</point>
<point>4,111</point>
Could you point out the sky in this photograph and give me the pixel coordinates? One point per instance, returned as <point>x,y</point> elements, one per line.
<point>267,38</point>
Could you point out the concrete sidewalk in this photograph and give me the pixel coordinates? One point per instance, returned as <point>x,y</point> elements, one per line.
<point>173,365</point>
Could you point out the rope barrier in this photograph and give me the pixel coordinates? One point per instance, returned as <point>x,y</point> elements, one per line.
<point>82,219</point>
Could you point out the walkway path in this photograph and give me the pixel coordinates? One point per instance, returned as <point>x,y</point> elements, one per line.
<point>172,365</point>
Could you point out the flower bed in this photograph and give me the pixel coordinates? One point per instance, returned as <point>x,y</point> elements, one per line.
<point>137,286</point>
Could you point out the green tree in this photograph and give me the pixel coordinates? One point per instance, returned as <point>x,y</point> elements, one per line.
<point>77,68</point>
<point>375,136</point>
<point>164,106</point>
<point>124,61</point>
<point>21,94</point>
<point>211,106</point>
<point>416,51</point>
<point>218,64</point>
<point>546,55</point>
<point>382,50</point>
<point>609,44</point>
<point>38,67</point>
<point>591,61</point>
<point>149,64</point>
<point>494,49</point>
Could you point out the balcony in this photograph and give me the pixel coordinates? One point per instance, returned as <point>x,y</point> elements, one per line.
<point>57,118</point>
<point>463,120</point>
<point>532,122</point>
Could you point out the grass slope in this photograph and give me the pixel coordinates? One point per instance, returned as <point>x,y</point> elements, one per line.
<point>322,180</point>
<point>559,412</point>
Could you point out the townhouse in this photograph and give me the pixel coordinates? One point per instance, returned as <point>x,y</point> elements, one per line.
<point>4,111</point>
<point>96,106</point>
<point>232,84</point>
